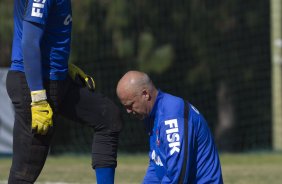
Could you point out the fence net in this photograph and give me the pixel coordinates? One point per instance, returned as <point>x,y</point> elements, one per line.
<point>215,54</point>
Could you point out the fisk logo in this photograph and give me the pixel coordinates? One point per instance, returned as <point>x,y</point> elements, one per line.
<point>172,135</point>
<point>156,159</point>
<point>67,20</point>
<point>37,8</point>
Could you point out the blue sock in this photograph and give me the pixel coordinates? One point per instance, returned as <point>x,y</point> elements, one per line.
<point>105,175</point>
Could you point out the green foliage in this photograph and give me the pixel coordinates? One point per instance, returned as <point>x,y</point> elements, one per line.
<point>6,31</point>
<point>188,48</point>
<point>117,15</point>
<point>153,60</point>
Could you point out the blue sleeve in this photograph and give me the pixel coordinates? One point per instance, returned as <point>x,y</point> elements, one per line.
<point>203,155</point>
<point>38,11</point>
<point>173,141</point>
<point>32,34</point>
<point>208,163</point>
<point>150,176</point>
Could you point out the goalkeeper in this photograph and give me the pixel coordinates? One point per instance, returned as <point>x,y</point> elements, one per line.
<point>42,85</point>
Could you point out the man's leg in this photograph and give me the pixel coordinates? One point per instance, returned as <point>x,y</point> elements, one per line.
<point>29,150</point>
<point>100,113</point>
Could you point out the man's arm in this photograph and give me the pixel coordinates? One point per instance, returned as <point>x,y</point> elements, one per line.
<point>41,111</point>
<point>208,164</point>
<point>32,34</point>
<point>151,176</point>
<point>172,135</point>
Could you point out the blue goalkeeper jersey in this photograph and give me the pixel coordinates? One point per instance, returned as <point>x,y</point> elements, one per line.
<point>182,149</point>
<point>56,16</point>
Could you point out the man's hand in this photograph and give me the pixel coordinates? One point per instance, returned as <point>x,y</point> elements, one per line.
<point>76,72</point>
<point>41,112</point>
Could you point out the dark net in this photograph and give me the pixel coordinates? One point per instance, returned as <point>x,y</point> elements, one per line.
<point>215,54</point>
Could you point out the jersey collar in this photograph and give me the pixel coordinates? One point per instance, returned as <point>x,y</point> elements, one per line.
<point>149,121</point>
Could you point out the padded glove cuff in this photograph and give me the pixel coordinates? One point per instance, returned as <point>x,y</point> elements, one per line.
<point>39,95</point>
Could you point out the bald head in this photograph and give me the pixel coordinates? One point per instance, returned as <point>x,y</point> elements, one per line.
<point>136,89</point>
<point>132,82</point>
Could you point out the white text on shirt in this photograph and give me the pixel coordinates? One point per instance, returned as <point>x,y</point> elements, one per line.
<point>37,7</point>
<point>172,135</point>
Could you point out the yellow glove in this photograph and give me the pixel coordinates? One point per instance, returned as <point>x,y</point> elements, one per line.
<point>75,72</point>
<point>41,112</point>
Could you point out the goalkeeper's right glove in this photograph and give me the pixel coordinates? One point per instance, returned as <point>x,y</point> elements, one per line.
<point>75,72</point>
<point>41,112</point>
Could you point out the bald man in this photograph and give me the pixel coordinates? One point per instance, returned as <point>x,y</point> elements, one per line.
<point>182,149</point>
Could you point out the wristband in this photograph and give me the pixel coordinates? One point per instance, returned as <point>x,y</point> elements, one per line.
<point>39,95</point>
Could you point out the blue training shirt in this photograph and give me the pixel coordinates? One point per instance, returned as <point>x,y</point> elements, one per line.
<point>56,17</point>
<point>182,149</point>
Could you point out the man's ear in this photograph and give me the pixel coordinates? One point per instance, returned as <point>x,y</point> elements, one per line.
<point>146,94</point>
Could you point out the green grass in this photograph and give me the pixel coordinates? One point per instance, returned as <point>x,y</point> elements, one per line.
<point>258,168</point>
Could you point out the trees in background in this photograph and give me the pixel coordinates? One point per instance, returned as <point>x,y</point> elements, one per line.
<point>213,53</point>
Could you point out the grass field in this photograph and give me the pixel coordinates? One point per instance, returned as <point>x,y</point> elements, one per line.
<point>250,168</point>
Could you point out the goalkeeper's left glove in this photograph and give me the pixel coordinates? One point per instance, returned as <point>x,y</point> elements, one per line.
<point>75,72</point>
